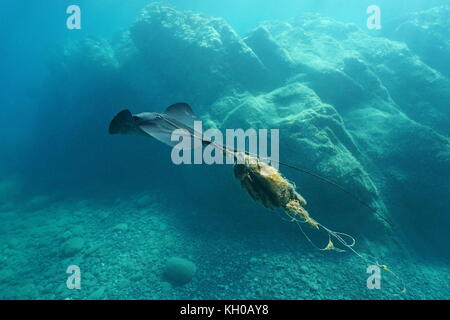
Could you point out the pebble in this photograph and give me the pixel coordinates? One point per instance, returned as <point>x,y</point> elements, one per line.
<point>121,227</point>
<point>73,246</point>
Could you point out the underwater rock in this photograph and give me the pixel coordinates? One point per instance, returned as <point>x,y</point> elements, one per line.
<point>217,57</point>
<point>98,294</point>
<point>412,171</point>
<point>274,58</point>
<point>89,55</point>
<point>179,271</point>
<point>144,201</point>
<point>426,34</point>
<point>90,68</point>
<point>39,202</point>
<point>363,69</point>
<point>125,51</point>
<point>14,243</point>
<point>6,275</point>
<point>121,227</point>
<point>73,246</point>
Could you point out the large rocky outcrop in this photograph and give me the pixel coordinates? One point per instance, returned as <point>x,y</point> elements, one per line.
<point>196,56</point>
<point>426,33</point>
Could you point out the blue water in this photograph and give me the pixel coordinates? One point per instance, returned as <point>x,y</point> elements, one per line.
<point>365,108</point>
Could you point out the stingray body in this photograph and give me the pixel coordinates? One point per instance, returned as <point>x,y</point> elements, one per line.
<point>157,125</point>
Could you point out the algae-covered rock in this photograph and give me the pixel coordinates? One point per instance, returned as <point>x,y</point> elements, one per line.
<point>39,202</point>
<point>179,271</point>
<point>275,59</point>
<point>73,246</point>
<point>144,201</point>
<point>426,34</point>
<point>348,67</point>
<point>89,54</point>
<point>98,294</point>
<point>193,53</point>
<point>122,227</point>
<point>6,275</point>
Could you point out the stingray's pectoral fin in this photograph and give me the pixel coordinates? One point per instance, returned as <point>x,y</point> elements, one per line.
<point>122,123</point>
<point>183,113</point>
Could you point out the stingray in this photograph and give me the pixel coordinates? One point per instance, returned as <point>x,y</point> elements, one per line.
<point>263,182</point>
<point>157,125</point>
